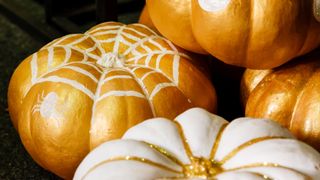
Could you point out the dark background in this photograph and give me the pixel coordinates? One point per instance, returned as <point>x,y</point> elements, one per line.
<point>27,25</point>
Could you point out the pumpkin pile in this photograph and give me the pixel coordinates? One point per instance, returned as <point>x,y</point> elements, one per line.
<point>74,99</point>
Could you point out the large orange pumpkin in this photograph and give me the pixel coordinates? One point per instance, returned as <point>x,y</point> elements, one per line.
<point>256,34</point>
<point>83,89</point>
<point>289,95</point>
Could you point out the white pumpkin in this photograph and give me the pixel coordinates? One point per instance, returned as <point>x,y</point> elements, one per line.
<point>200,145</point>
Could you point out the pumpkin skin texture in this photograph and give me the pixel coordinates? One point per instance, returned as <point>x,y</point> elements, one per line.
<point>83,89</point>
<point>256,34</point>
<point>289,94</point>
<point>200,145</point>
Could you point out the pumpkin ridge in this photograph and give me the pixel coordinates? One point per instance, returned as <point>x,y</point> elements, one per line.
<point>217,141</point>
<point>303,87</point>
<point>131,158</point>
<point>245,145</point>
<point>143,88</point>
<point>36,79</point>
<point>184,141</point>
<point>165,153</point>
<point>96,96</point>
<point>266,164</point>
<point>249,32</point>
<point>172,84</point>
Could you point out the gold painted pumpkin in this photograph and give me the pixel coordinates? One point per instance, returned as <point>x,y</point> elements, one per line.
<point>83,89</point>
<point>200,145</point>
<point>289,94</point>
<point>257,34</point>
<point>145,19</point>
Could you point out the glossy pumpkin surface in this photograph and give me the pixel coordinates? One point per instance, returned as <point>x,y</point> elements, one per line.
<point>289,94</point>
<point>83,89</point>
<point>200,145</point>
<point>257,34</point>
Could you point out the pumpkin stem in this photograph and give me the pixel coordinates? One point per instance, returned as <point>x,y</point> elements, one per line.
<point>201,167</point>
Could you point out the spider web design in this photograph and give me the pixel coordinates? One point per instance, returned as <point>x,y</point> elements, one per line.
<point>143,50</point>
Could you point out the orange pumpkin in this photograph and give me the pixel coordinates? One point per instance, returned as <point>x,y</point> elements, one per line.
<point>83,89</point>
<point>256,34</point>
<point>289,94</point>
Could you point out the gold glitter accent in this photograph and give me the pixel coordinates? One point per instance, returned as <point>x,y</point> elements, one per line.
<point>247,144</point>
<point>131,158</point>
<point>217,141</point>
<point>184,141</point>
<point>201,167</point>
<point>165,153</point>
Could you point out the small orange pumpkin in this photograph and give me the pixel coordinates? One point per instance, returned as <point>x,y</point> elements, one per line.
<point>289,94</point>
<point>83,89</point>
<point>256,34</point>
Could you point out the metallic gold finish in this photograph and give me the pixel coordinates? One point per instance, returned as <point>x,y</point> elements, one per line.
<point>146,20</point>
<point>84,89</point>
<point>257,34</point>
<point>289,95</point>
<point>173,20</point>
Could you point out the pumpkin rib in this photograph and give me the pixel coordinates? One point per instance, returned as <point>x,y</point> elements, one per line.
<point>165,153</point>
<point>130,158</point>
<point>305,38</point>
<point>184,141</point>
<point>144,91</point>
<point>217,141</point>
<point>298,98</point>
<point>266,164</point>
<point>249,34</point>
<point>247,144</point>
<point>162,73</point>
